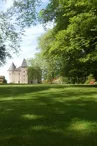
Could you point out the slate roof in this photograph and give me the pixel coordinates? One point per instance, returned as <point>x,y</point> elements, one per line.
<point>18,69</point>
<point>24,63</point>
<point>12,67</point>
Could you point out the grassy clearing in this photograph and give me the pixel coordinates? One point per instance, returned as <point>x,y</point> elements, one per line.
<point>48,115</point>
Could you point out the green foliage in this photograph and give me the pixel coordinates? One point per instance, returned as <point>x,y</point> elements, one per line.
<point>25,12</point>
<point>34,69</point>
<point>51,64</point>
<point>5,81</point>
<point>61,80</point>
<point>34,73</point>
<point>90,79</point>
<point>75,42</point>
<point>3,54</point>
<point>12,22</point>
<point>9,37</point>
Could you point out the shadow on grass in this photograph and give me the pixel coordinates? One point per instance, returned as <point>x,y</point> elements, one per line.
<point>51,117</point>
<point>17,90</point>
<point>14,91</point>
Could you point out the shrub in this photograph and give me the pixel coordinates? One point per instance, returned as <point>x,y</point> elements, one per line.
<point>90,79</point>
<point>61,80</point>
<point>46,82</point>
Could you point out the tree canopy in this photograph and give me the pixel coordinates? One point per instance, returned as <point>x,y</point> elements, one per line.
<point>74,39</point>
<point>12,21</point>
<point>24,12</point>
<point>9,37</point>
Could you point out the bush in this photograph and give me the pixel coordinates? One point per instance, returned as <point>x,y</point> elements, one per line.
<point>61,80</point>
<point>90,79</point>
<point>46,82</point>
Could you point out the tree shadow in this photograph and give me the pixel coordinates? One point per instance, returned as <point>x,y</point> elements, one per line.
<point>55,118</point>
<point>14,90</point>
<point>17,90</point>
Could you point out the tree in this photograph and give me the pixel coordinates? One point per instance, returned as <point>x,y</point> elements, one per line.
<point>25,12</point>
<point>12,22</point>
<point>34,70</point>
<point>34,74</point>
<point>76,42</point>
<point>9,38</point>
<point>50,64</point>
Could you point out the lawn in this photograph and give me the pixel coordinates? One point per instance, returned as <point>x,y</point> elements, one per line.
<point>48,115</point>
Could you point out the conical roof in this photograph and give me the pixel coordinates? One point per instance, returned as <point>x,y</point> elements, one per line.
<point>24,63</point>
<point>12,67</point>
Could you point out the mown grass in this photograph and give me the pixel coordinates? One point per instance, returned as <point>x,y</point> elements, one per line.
<point>48,115</point>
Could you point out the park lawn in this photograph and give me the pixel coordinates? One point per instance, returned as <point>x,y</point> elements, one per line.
<point>48,115</point>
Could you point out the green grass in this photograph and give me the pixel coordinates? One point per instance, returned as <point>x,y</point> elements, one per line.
<point>48,115</point>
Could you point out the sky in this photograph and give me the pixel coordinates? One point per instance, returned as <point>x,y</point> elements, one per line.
<point>28,45</point>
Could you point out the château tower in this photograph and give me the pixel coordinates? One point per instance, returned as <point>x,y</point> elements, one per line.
<point>18,75</point>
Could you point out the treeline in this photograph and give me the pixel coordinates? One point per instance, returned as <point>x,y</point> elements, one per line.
<point>69,50</point>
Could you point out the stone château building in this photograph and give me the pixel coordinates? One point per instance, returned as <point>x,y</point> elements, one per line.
<point>18,75</point>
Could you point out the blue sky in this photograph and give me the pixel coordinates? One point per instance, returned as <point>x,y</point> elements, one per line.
<point>29,43</point>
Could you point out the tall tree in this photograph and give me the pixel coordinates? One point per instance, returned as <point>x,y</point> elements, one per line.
<point>51,63</point>
<point>12,21</point>
<point>25,11</point>
<point>34,69</point>
<point>75,41</point>
<point>9,38</point>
